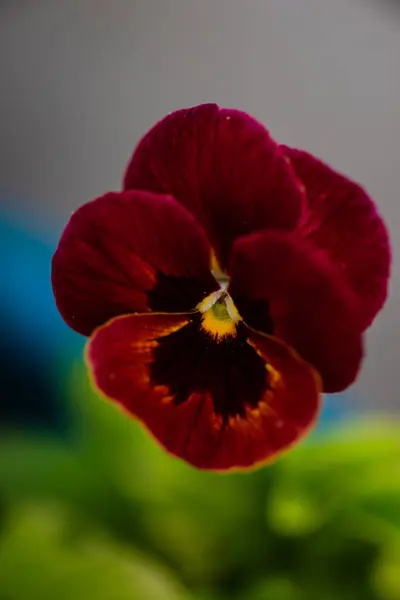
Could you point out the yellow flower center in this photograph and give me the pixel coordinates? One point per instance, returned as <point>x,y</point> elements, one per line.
<point>220,315</point>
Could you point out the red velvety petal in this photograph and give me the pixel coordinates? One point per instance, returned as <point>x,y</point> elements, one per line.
<point>344,222</point>
<point>303,299</point>
<point>191,403</point>
<point>127,252</point>
<point>224,167</point>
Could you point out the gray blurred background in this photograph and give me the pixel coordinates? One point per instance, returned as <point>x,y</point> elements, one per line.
<point>82,80</point>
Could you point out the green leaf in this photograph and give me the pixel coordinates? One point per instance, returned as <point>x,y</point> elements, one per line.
<point>42,556</point>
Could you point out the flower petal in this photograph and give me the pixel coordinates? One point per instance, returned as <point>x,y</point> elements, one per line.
<point>284,286</point>
<point>224,167</point>
<point>218,404</point>
<point>344,222</point>
<point>128,252</point>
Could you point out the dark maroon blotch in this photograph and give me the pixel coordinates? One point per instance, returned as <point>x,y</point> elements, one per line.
<point>191,361</point>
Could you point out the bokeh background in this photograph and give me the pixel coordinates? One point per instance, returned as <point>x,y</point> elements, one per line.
<point>90,507</point>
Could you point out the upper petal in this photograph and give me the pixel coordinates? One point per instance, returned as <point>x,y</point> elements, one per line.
<point>284,286</point>
<point>224,167</point>
<point>218,404</point>
<point>127,252</point>
<point>344,222</point>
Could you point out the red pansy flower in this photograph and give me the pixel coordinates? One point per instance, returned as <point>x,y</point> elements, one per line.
<point>224,288</point>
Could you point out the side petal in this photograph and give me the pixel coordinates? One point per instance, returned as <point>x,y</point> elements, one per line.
<point>216,404</point>
<point>224,167</point>
<point>284,286</point>
<point>128,252</point>
<point>344,222</point>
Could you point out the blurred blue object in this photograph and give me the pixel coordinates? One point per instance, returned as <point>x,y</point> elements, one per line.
<point>336,408</point>
<point>36,346</point>
<point>26,289</point>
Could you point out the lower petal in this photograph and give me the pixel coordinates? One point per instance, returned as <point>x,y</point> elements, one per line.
<point>218,403</point>
<point>284,286</point>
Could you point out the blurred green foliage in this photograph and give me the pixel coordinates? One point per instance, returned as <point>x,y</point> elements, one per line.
<point>109,515</point>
